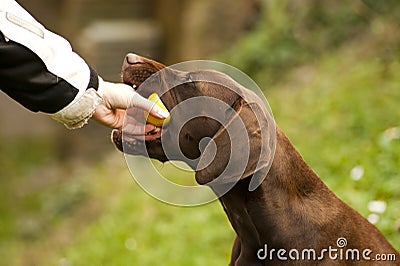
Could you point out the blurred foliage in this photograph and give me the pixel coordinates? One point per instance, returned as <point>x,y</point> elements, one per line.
<point>291,33</point>
<point>386,7</point>
<point>329,70</point>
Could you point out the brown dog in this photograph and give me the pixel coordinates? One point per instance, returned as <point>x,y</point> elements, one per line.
<point>292,218</point>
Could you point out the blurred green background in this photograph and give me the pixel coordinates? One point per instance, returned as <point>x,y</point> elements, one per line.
<point>329,69</point>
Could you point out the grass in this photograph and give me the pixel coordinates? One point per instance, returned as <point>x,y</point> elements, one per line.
<point>110,221</point>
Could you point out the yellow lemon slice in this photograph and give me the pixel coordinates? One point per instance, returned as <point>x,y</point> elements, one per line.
<point>154,120</point>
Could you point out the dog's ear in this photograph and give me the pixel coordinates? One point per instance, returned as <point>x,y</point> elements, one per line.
<point>240,148</point>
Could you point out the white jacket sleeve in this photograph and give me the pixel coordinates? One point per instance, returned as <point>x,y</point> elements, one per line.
<point>18,27</point>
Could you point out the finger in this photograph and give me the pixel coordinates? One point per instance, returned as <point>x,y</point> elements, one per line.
<point>122,96</point>
<point>145,104</point>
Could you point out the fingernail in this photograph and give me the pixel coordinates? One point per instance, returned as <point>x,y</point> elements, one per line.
<point>162,113</point>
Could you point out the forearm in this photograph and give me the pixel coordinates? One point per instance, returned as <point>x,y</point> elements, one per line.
<point>39,69</point>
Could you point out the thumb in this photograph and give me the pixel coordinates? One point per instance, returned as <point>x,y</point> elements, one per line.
<point>122,96</point>
<point>139,101</point>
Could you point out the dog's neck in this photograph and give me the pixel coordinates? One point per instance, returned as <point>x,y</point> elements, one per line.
<point>290,172</point>
<point>291,192</point>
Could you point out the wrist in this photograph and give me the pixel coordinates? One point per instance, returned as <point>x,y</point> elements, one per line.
<point>77,114</point>
<point>100,88</point>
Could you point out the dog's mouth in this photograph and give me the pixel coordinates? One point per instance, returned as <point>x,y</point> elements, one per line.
<point>134,134</point>
<point>150,132</point>
<point>136,130</point>
<point>131,143</point>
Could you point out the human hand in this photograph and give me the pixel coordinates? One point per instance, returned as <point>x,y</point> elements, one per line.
<point>117,97</point>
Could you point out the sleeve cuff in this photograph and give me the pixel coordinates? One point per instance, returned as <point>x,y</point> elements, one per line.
<point>78,113</point>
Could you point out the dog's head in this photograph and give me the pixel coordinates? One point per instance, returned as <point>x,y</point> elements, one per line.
<point>215,122</point>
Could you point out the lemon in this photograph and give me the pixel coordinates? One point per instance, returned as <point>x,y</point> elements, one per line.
<point>154,120</point>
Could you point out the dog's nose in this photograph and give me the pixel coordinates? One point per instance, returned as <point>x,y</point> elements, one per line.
<point>133,59</point>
